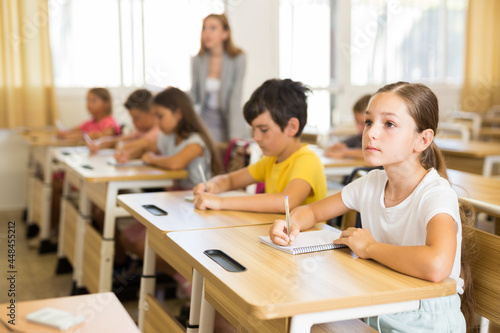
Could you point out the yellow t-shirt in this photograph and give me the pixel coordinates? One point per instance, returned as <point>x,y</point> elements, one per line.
<point>303,164</point>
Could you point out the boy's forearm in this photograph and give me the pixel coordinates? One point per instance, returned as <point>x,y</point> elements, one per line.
<point>262,203</point>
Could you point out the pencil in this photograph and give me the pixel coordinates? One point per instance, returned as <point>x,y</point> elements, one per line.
<point>287,212</point>
<point>87,139</point>
<point>200,167</point>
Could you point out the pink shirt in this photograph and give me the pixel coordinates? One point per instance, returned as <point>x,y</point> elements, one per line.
<point>92,126</point>
<point>151,135</point>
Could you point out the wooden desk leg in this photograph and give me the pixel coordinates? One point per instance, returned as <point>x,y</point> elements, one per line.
<point>45,245</point>
<point>63,265</point>
<point>29,191</point>
<point>83,218</point>
<point>108,238</point>
<point>196,299</point>
<point>148,282</point>
<point>207,315</point>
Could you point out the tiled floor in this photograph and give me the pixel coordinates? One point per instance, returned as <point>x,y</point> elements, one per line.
<point>36,277</point>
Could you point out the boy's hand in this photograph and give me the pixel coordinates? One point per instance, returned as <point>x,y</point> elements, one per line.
<point>278,232</point>
<point>358,240</point>
<point>207,201</point>
<point>200,188</point>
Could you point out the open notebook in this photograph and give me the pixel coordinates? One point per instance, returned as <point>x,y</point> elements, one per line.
<point>309,241</point>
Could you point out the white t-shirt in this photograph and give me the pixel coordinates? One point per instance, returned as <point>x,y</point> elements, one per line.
<point>406,223</point>
<point>166,146</point>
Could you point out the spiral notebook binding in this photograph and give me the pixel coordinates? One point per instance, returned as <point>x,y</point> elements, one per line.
<point>316,248</point>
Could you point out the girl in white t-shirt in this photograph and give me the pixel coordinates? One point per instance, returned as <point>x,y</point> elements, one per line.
<point>410,214</point>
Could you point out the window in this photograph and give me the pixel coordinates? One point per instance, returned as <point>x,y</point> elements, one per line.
<point>116,43</point>
<point>417,41</point>
<point>305,35</point>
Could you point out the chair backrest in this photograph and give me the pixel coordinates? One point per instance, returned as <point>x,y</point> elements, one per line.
<point>471,119</point>
<point>241,153</point>
<point>453,130</point>
<point>491,166</point>
<point>486,275</point>
<point>493,111</point>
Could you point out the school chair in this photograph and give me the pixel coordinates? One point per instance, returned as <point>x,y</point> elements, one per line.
<point>485,271</point>
<point>453,130</point>
<point>241,153</point>
<point>491,166</point>
<point>493,111</point>
<point>471,119</point>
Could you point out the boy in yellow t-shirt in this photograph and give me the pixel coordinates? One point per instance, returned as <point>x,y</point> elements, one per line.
<point>277,112</point>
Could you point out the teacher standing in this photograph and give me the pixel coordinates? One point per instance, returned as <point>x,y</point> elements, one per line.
<point>217,80</point>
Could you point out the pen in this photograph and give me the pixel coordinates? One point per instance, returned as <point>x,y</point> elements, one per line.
<point>119,146</point>
<point>200,167</point>
<point>287,212</point>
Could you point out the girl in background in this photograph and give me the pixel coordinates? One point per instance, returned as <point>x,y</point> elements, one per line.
<point>101,124</point>
<point>183,143</point>
<point>217,79</point>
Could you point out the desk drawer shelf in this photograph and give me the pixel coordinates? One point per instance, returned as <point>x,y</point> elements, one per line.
<point>158,321</point>
<point>37,200</point>
<point>92,248</point>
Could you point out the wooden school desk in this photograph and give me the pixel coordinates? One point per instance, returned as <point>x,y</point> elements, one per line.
<point>39,181</point>
<point>181,216</point>
<point>276,286</point>
<point>482,192</point>
<point>103,314</point>
<point>467,156</point>
<point>89,252</point>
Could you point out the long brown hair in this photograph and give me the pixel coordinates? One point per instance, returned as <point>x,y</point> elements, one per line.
<point>423,106</point>
<point>229,47</point>
<point>105,95</point>
<point>173,99</point>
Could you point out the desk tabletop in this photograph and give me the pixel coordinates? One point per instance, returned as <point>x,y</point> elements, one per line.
<point>183,216</point>
<point>473,148</point>
<point>103,313</point>
<point>47,137</point>
<point>336,162</point>
<point>320,281</point>
<point>476,187</point>
<point>96,169</point>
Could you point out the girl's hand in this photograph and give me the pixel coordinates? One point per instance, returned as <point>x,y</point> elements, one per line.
<point>205,201</point>
<point>278,232</point>
<point>358,240</point>
<point>200,188</point>
<point>148,157</point>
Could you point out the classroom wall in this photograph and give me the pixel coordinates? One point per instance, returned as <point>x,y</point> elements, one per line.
<point>13,171</point>
<point>260,43</point>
